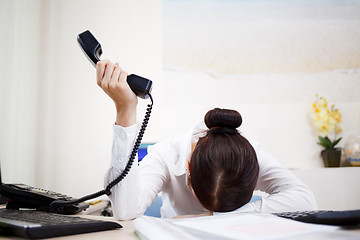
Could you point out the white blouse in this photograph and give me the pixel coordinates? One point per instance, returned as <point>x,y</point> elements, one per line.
<point>164,170</point>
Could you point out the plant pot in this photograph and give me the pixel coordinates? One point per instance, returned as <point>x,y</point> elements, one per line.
<point>331,157</point>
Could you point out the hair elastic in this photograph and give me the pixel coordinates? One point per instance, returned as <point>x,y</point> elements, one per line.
<point>222,130</point>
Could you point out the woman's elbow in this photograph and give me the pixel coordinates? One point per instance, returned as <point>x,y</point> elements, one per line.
<point>307,200</point>
<point>124,215</point>
<point>312,202</point>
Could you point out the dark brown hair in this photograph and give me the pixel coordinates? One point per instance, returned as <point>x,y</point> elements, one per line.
<point>223,166</point>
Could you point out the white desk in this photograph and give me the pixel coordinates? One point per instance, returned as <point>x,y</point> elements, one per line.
<point>128,232</point>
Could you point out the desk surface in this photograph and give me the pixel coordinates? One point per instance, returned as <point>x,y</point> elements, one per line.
<point>128,232</point>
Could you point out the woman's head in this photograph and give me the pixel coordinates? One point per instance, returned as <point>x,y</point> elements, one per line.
<point>223,166</point>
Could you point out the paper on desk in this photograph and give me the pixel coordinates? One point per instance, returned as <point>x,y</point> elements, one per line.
<point>228,226</point>
<point>151,228</point>
<point>248,226</point>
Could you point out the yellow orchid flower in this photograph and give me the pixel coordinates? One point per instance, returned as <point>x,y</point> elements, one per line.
<point>327,121</point>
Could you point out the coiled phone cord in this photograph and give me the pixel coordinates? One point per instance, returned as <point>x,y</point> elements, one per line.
<point>58,205</point>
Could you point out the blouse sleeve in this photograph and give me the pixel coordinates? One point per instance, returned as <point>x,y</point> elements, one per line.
<point>286,191</point>
<point>131,197</point>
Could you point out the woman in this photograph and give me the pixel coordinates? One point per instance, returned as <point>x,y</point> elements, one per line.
<point>211,169</point>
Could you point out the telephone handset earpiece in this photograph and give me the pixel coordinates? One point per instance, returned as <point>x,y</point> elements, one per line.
<point>92,49</point>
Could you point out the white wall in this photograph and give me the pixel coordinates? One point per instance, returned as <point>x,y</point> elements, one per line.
<point>275,109</point>
<point>267,59</point>
<point>334,188</point>
<point>19,44</point>
<point>56,124</point>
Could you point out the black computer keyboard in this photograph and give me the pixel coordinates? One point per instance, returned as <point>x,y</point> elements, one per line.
<point>341,218</point>
<point>41,218</point>
<point>37,224</point>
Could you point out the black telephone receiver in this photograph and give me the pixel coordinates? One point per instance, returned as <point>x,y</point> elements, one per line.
<point>92,49</point>
<point>21,195</point>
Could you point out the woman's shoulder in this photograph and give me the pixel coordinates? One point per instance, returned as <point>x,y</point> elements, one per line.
<point>173,152</point>
<point>177,143</point>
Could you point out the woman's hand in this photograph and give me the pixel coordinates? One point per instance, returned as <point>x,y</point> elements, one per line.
<point>112,79</point>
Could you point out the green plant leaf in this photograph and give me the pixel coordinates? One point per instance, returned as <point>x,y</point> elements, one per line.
<point>336,142</point>
<point>325,142</point>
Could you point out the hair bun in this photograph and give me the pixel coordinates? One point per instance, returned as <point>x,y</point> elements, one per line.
<point>223,118</point>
